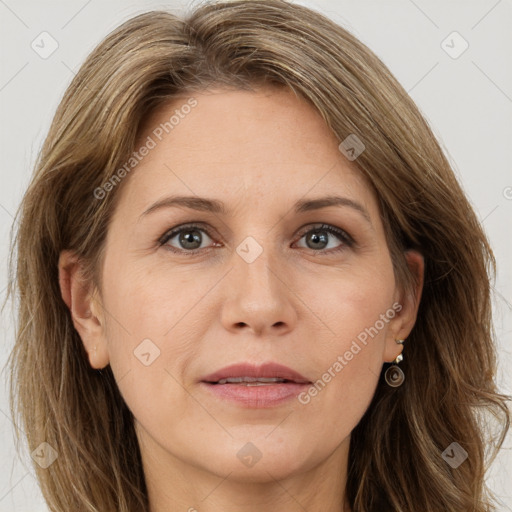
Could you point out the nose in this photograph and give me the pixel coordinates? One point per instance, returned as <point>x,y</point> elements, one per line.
<point>259,298</point>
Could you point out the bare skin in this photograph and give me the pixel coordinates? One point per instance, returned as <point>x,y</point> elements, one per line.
<point>301,303</point>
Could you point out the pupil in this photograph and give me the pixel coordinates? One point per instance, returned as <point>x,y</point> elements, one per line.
<point>316,238</point>
<point>188,238</point>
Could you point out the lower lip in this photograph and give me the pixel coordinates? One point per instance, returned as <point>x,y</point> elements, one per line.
<point>268,395</point>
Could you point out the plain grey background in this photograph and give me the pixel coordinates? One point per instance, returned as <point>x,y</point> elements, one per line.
<point>462,83</point>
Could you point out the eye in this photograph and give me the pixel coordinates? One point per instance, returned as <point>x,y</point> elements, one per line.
<point>317,238</point>
<point>189,239</point>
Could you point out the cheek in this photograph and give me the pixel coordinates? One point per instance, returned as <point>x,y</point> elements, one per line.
<point>355,312</point>
<point>155,320</point>
<point>350,301</point>
<point>147,301</point>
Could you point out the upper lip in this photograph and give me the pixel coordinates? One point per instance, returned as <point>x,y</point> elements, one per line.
<point>267,370</point>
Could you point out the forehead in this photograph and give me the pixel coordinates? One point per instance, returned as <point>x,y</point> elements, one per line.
<point>250,146</point>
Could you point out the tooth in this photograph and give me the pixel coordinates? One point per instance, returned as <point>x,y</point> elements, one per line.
<point>250,380</point>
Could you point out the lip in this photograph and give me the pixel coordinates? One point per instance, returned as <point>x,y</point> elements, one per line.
<point>267,370</point>
<point>254,396</point>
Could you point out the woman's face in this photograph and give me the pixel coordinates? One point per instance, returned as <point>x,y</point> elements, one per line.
<point>250,281</point>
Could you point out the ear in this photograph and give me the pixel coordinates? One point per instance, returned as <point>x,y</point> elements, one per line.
<point>403,322</point>
<point>86,312</point>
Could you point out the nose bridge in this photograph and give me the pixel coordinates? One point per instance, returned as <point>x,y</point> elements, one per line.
<point>258,296</point>
<point>256,262</point>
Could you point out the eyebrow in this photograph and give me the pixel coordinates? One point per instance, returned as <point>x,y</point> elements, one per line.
<point>215,206</point>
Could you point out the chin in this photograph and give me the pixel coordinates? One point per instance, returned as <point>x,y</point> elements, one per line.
<point>258,461</point>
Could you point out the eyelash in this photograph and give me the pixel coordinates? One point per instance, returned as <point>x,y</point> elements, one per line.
<point>343,236</point>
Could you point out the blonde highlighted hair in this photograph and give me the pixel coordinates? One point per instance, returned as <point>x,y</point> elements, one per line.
<point>395,460</point>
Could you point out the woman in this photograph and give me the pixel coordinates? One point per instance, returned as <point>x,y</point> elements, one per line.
<point>185,344</point>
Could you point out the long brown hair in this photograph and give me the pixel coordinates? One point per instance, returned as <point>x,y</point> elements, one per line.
<point>395,459</point>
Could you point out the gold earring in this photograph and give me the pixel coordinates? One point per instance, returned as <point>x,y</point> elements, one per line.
<point>394,375</point>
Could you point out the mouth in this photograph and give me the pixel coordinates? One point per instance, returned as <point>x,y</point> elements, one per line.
<point>252,386</point>
<point>254,381</point>
<point>268,373</point>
